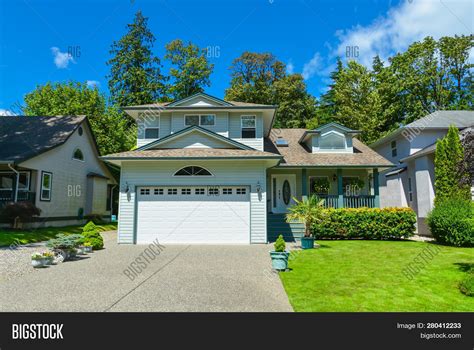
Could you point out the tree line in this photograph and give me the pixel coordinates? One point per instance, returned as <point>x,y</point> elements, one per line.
<point>430,75</point>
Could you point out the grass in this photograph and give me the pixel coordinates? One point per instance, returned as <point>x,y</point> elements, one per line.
<point>368,276</point>
<point>8,237</point>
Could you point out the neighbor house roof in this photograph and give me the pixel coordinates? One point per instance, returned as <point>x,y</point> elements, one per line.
<point>25,137</point>
<point>191,153</point>
<point>296,154</point>
<point>435,120</point>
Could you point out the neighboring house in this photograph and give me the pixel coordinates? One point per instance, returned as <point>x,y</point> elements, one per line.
<point>214,171</point>
<point>412,148</point>
<point>54,163</point>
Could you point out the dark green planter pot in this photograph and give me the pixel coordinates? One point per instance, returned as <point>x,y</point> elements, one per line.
<point>307,242</point>
<point>279,260</point>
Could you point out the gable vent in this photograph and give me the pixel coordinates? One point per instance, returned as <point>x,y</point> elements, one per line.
<point>281,142</point>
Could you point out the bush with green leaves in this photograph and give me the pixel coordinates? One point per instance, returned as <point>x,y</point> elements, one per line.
<point>92,237</point>
<point>452,222</point>
<point>280,244</point>
<point>365,223</point>
<point>467,285</point>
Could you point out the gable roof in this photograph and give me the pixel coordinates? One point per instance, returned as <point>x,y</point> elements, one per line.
<point>25,137</point>
<point>435,120</point>
<point>199,94</point>
<point>190,129</point>
<point>333,125</point>
<point>297,155</point>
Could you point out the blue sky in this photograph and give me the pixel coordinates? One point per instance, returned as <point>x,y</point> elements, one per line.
<point>35,36</point>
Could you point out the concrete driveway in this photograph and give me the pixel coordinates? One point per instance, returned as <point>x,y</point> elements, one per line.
<point>180,278</point>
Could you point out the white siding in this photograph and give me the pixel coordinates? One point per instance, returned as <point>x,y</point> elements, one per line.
<point>149,173</point>
<point>235,130</point>
<point>195,139</point>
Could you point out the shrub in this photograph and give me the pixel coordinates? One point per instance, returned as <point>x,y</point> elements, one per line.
<point>366,223</point>
<point>95,218</point>
<point>92,237</point>
<point>22,211</point>
<point>452,222</point>
<point>65,242</point>
<point>280,244</point>
<point>467,285</point>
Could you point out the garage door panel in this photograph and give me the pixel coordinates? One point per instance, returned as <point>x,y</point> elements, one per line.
<point>187,217</point>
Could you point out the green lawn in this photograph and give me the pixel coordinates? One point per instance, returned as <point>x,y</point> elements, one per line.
<point>8,237</point>
<point>367,276</point>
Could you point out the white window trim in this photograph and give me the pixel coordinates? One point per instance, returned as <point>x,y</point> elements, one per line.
<point>50,189</point>
<point>79,160</point>
<point>329,133</point>
<point>199,117</point>
<point>20,189</point>
<point>151,127</point>
<point>247,127</point>
<point>210,172</point>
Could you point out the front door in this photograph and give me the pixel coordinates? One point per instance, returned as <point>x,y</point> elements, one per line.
<point>283,191</point>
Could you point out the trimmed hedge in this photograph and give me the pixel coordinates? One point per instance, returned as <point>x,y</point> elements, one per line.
<point>91,235</point>
<point>366,223</point>
<point>452,222</point>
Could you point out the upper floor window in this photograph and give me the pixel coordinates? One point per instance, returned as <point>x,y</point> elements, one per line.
<point>193,171</point>
<point>393,146</point>
<point>200,120</point>
<point>152,133</point>
<point>78,155</point>
<point>248,124</point>
<point>332,141</point>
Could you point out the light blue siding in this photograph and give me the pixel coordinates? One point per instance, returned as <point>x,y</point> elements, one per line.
<point>235,130</point>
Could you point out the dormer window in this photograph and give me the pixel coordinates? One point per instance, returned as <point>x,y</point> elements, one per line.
<point>248,124</point>
<point>332,141</point>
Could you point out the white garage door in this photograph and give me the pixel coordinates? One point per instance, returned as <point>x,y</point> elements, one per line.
<point>194,214</point>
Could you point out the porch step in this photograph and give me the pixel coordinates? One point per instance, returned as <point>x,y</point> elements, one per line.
<point>277,225</point>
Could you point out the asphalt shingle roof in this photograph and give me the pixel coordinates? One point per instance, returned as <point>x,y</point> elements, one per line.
<point>297,154</point>
<point>192,153</point>
<point>24,137</point>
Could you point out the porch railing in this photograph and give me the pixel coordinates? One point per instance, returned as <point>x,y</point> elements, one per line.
<point>332,201</point>
<point>23,196</point>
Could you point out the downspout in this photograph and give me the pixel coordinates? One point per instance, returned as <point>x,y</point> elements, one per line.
<point>111,201</point>
<point>15,198</point>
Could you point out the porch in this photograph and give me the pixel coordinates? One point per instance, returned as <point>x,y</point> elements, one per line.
<point>9,184</point>
<point>338,187</point>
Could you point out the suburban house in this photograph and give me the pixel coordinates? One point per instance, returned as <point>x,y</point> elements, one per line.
<point>213,171</point>
<point>412,148</point>
<point>54,163</point>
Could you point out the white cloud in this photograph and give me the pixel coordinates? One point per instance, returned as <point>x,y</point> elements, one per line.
<point>92,83</point>
<point>290,67</point>
<point>404,24</point>
<point>61,59</point>
<point>312,67</point>
<point>6,112</point>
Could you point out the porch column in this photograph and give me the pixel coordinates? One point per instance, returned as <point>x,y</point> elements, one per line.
<point>340,192</point>
<point>376,188</point>
<point>304,184</point>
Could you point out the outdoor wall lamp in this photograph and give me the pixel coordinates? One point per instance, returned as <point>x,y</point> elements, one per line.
<point>259,187</point>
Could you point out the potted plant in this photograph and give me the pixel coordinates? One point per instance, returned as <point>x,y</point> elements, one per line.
<point>48,257</point>
<point>309,211</point>
<point>37,260</point>
<point>87,247</point>
<point>280,255</point>
<point>64,246</point>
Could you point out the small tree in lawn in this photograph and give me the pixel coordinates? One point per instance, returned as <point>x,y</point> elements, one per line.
<point>309,211</point>
<point>449,180</point>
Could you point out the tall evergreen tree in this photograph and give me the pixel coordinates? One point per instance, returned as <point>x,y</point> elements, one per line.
<point>191,69</point>
<point>449,156</point>
<point>135,73</point>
